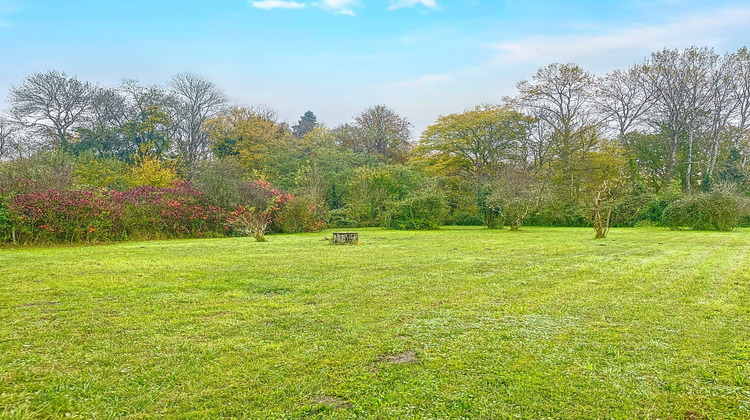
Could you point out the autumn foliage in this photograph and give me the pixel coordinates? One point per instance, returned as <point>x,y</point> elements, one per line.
<point>146,212</point>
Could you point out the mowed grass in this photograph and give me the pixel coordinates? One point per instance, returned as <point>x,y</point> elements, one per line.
<point>460,322</point>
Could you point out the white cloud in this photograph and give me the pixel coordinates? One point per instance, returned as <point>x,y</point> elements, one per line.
<point>402,4</point>
<point>343,7</point>
<point>277,4</point>
<point>713,28</point>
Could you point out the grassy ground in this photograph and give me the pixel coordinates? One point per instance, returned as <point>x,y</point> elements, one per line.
<point>453,323</point>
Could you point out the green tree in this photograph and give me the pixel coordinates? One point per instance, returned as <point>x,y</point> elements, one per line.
<point>475,143</point>
<point>306,124</point>
<point>246,134</point>
<point>146,133</point>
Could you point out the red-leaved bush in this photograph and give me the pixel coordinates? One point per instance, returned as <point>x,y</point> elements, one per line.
<point>177,211</point>
<point>106,215</point>
<point>259,195</point>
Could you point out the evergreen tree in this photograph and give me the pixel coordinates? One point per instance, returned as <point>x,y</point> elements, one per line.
<point>306,124</point>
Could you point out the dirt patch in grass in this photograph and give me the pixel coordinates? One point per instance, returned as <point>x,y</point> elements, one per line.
<point>331,401</point>
<point>693,415</point>
<point>401,358</point>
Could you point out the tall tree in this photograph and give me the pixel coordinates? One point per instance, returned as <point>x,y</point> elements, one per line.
<point>624,99</point>
<point>721,106</point>
<point>247,133</point>
<point>741,87</point>
<point>679,80</point>
<point>475,143</point>
<point>197,100</point>
<point>108,109</point>
<point>52,104</point>
<point>7,137</point>
<point>378,132</point>
<point>146,133</point>
<point>560,96</point>
<point>306,124</point>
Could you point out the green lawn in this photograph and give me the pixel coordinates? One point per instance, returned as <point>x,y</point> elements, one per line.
<point>461,322</point>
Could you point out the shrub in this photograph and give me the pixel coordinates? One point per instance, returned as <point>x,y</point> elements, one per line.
<point>300,214</point>
<point>249,222</point>
<point>6,224</point>
<point>40,172</point>
<point>105,215</point>
<point>175,211</point>
<point>261,196</point>
<point>151,171</point>
<point>422,211</point>
<point>645,223</point>
<point>717,210</point>
<point>636,207</point>
<point>61,216</point>
<point>466,219</point>
<point>515,196</point>
<point>562,212</point>
<point>103,173</point>
<point>744,211</point>
<point>339,218</point>
<point>373,188</point>
<point>221,181</point>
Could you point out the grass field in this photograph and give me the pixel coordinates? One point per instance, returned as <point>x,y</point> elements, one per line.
<point>460,322</point>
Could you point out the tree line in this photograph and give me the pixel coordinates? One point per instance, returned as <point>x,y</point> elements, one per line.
<point>666,141</point>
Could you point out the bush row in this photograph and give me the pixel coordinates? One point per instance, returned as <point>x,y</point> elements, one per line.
<point>181,210</point>
<point>102,215</point>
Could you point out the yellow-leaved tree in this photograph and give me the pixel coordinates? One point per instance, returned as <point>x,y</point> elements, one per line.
<point>247,133</point>
<point>152,171</point>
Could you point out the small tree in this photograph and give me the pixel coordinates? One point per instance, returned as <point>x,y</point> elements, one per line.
<point>250,222</point>
<point>515,195</point>
<point>603,205</point>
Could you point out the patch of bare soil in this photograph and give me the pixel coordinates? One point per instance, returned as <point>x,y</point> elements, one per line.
<point>331,401</point>
<point>405,357</point>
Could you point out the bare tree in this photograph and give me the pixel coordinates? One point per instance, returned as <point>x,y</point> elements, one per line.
<point>140,98</point>
<point>560,96</point>
<point>741,87</point>
<point>721,107</point>
<point>52,104</point>
<point>701,63</point>
<point>197,100</point>
<point>380,132</point>
<point>109,108</point>
<point>603,210</point>
<point>7,138</point>
<point>681,84</point>
<point>624,98</point>
<point>536,147</point>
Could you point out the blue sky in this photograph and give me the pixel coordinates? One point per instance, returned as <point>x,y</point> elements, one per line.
<point>424,58</point>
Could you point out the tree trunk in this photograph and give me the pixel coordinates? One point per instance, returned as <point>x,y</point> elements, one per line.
<point>689,171</point>
<point>601,224</point>
<point>672,155</point>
